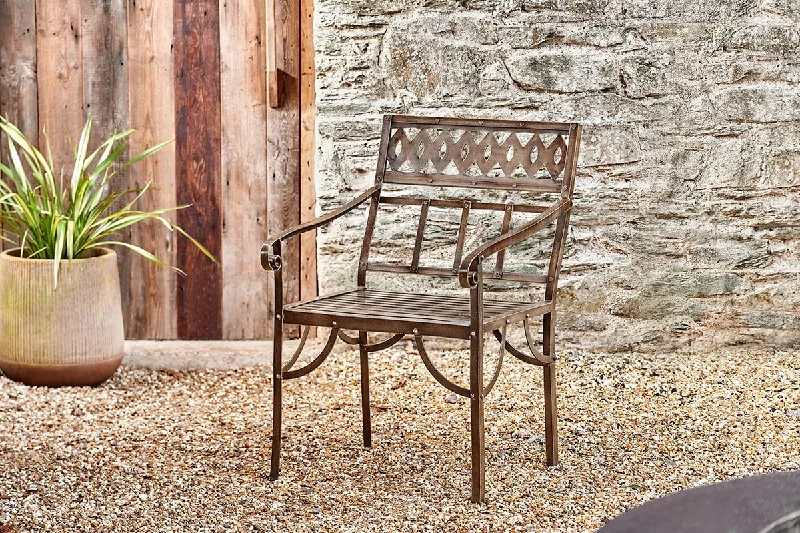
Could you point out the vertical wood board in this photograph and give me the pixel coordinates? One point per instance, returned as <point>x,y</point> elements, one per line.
<point>152,312</point>
<point>60,77</point>
<point>308,196</point>
<point>283,138</point>
<point>18,92</point>
<point>105,92</point>
<point>197,122</point>
<point>244,146</point>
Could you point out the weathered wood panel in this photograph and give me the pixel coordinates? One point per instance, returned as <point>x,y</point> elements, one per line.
<point>105,94</point>
<point>244,185</point>
<point>308,195</point>
<point>60,76</point>
<point>18,92</point>
<point>198,141</point>
<point>152,311</point>
<point>283,137</point>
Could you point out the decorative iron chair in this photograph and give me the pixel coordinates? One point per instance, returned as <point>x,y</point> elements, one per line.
<point>528,157</point>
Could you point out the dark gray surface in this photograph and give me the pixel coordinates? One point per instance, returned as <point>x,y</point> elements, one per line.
<point>747,505</point>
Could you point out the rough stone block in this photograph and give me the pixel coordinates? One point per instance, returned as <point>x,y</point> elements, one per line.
<point>565,70</point>
<point>762,102</point>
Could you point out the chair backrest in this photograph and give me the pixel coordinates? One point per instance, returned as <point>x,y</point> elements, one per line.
<point>531,157</point>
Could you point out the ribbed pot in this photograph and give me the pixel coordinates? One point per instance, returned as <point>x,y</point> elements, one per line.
<point>71,334</point>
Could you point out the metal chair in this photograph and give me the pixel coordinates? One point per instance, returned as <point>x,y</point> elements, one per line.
<point>534,158</point>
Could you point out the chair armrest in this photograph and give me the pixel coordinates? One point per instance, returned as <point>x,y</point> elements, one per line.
<point>270,254</point>
<point>468,265</point>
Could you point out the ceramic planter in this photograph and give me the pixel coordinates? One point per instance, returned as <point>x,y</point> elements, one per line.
<point>71,334</point>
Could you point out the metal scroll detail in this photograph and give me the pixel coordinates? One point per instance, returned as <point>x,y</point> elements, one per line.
<point>378,346</point>
<point>438,376</point>
<point>536,357</point>
<point>318,360</point>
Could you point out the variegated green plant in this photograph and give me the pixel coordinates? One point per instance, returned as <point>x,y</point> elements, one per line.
<point>49,220</point>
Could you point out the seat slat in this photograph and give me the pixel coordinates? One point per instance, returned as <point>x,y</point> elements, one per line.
<point>499,305</point>
<point>377,304</point>
<point>413,304</point>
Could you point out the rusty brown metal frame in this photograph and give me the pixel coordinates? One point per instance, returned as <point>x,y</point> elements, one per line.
<point>469,272</point>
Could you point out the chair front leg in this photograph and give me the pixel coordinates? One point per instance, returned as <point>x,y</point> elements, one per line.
<point>550,410</point>
<point>365,410</point>
<point>477,430</point>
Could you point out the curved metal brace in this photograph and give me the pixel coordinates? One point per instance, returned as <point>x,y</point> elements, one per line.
<point>290,363</point>
<point>538,358</point>
<point>449,385</point>
<point>500,357</point>
<point>378,346</point>
<point>391,341</point>
<point>516,353</point>
<point>543,359</point>
<point>317,360</point>
<point>347,338</point>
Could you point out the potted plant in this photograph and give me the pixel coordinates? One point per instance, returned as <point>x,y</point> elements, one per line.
<point>60,307</point>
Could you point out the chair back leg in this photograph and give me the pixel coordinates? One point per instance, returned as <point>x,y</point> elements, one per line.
<point>550,411</point>
<point>277,398</point>
<point>365,410</point>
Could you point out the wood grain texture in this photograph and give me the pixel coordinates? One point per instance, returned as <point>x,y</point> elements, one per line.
<point>152,311</point>
<point>283,151</point>
<point>198,141</point>
<point>105,93</point>
<point>59,69</point>
<point>18,92</point>
<point>308,196</point>
<point>244,168</point>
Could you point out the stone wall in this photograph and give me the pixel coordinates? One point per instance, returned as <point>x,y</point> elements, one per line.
<point>686,229</point>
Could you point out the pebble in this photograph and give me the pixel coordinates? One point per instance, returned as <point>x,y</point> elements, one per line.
<point>189,451</point>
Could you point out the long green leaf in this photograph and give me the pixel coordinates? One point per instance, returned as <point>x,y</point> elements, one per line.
<point>141,251</point>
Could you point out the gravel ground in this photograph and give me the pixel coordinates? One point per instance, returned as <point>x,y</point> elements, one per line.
<point>189,451</point>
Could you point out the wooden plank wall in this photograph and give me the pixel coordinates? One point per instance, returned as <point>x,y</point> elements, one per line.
<point>193,71</point>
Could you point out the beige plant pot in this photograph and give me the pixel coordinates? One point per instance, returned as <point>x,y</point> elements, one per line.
<point>68,335</point>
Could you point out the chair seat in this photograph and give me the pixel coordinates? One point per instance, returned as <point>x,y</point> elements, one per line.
<point>440,315</point>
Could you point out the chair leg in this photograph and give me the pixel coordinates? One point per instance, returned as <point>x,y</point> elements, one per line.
<point>277,401</point>
<point>550,410</point>
<point>477,421</point>
<point>365,410</point>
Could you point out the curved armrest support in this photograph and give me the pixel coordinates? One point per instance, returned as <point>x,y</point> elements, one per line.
<point>270,250</point>
<point>466,273</point>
